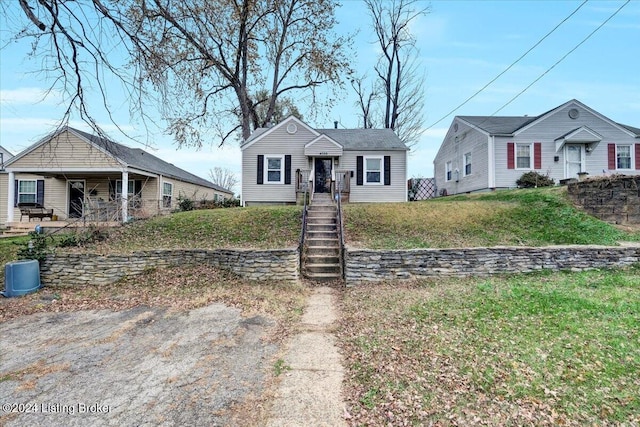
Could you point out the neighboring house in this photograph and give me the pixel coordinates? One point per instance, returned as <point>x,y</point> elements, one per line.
<point>4,156</point>
<point>490,152</point>
<point>80,175</point>
<point>278,163</point>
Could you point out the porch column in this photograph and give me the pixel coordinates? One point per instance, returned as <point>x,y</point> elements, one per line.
<point>10,195</point>
<point>125,196</point>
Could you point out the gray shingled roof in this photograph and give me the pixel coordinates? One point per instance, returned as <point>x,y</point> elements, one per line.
<point>137,158</point>
<point>496,125</point>
<point>355,139</point>
<point>365,139</point>
<point>631,129</point>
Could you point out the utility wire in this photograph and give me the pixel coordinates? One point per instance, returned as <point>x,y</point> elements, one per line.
<point>509,67</point>
<point>562,59</point>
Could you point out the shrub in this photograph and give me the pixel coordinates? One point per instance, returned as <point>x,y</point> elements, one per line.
<point>534,180</point>
<point>36,248</point>
<point>185,204</point>
<point>91,235</point>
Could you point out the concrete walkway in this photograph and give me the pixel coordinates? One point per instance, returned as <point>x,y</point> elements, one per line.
<point>310,392</point>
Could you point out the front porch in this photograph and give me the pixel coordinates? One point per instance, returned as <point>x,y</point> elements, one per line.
<point>22,228</point>
<point>85,197</point>
<point>313,181</point>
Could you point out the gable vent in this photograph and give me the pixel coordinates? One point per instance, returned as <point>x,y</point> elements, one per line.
<point>574,113</point>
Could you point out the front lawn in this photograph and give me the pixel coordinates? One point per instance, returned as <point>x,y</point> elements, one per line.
<point>529,217</point>
<point>538,349</point>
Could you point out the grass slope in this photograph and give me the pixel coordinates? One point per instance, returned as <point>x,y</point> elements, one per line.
<point>263,228</point>
<point>537,349</point>
<point>535,217</point>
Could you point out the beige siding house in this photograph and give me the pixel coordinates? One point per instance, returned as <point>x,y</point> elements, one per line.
<point>482,153</point>
<point>364,165</point>
<point>79,175</point>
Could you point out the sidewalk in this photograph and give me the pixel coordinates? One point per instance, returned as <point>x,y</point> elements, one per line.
<point>310,392</point>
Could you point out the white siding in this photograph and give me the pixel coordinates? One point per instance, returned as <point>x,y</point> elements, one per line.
<point>469,140</point>
<point>396,192</point>
<point>551,128</point>
<point>323,148</point>
<point>278,142</point>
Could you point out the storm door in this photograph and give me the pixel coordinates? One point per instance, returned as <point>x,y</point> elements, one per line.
<point>76,199</point>
<point>574,157</point>
<point>323,175</point>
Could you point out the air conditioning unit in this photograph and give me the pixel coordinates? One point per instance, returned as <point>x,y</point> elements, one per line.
<point>21,277</point>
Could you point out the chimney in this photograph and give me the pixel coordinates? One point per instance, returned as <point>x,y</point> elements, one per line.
<point>335,124</point>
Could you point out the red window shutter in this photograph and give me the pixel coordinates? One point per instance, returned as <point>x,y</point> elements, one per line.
<point>511,155</point>
<point>537,155</point>
<point>612,156</point>
<point>638,156</point>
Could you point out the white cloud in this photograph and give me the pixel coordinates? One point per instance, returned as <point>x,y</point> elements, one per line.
<point>28,95</point>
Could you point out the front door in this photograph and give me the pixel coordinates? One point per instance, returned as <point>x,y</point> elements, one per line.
<point>573,156</point>
<point>323,175</point>
<point>76,199</point>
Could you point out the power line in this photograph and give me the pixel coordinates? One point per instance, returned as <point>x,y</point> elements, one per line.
<point>562,59</point>
<point>510,66</point>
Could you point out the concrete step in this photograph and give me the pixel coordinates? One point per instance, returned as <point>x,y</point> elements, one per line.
<point>333,258</point>
<point>321,217</point>
<point>321,213</point>
<point>323,277</point>
<point>322,234</point>
<point>323,251</point>
<point>323,242</point>
<point>322,268</point>
<point>322,227</point>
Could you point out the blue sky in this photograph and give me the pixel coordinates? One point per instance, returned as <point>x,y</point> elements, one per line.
<point>463,45</point>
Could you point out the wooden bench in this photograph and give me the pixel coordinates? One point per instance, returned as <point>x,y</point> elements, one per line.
<point>34,210</point>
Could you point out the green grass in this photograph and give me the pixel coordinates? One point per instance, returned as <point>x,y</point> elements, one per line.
<point>263,227</point>
<point>531,217</point>
<point>563,348</point>
<point>9,247</point>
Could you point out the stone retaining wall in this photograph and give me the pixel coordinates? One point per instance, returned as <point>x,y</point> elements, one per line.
<point>92,269</point>
<point>362,265</point>
<point>378,265</point>
<point>615,199</point>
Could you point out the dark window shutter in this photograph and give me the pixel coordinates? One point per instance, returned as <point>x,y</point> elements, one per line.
<point>40,192</point>
<point>260,168</point>
<point>638,156</point>
<point>511,155</point>
<point>15,195</point>
<point>287,169</point>
<point>611,148</point>
<point>137,187</point>
<point>387,170</point>
<point>537,155</point>
<point>359,170</point>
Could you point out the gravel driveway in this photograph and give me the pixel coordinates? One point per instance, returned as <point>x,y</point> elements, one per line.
<point>138,367</point>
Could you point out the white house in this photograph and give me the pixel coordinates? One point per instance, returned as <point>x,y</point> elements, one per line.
<point>490,152</point>
<point>365,165</point>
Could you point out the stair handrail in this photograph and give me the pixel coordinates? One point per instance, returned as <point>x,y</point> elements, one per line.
<point>304,223</point>
<point>340,227</point>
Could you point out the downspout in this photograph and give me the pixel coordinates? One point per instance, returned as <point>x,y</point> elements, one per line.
<point>159,193</point>
<point>125,196</point>
<point>10,195</point>
<point>491,162</point>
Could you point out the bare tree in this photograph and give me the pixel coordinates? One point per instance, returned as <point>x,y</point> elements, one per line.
<point>284,107</point>
<point>202,58</point>
<point>365,102</point>
<point>223,177</point>
<point>399,77</point>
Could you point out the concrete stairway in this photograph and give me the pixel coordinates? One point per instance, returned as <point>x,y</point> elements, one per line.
<point>321,257</point>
